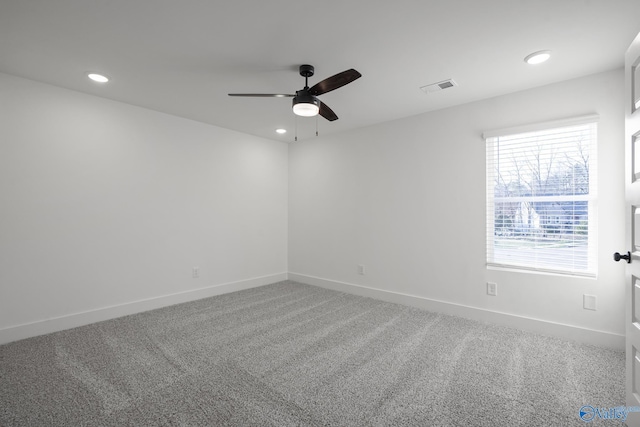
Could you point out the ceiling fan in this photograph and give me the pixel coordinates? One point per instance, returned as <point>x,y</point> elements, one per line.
<point>305,101</point>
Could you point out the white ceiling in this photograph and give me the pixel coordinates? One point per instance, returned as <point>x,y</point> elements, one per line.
<point>182,57</point>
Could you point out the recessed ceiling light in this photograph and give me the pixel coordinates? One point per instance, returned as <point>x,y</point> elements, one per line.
<point>281,131</point>
<point>99,78</point>
<point>538,57</point>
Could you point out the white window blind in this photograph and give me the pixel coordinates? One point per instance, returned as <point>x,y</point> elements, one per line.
<point>541,197</point>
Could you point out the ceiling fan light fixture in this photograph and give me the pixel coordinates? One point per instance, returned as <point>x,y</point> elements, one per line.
<point>306,105</point>
<point>306,110</point>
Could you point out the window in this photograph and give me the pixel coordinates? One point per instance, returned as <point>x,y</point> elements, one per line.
<point>541,197</point>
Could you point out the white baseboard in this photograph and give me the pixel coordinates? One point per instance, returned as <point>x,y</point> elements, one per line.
<point>15,333</point>
<point>570,332</point>
<point>543,327</point>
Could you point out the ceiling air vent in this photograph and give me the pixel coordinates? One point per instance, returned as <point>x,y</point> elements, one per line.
<point>445,84</point>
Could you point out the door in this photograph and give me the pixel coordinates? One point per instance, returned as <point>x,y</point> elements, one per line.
<point>632,195</point>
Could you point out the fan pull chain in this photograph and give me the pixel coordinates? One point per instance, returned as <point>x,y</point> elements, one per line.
<point>316,125</point>
<point>296,130</point>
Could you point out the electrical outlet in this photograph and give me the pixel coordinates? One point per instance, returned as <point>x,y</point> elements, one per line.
<point>589,302</point>
<point>361,269</point>
<point>195,272</point>
<point>492,289</point>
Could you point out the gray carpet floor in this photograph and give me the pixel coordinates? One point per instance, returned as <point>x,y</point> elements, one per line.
<point>289,354</point>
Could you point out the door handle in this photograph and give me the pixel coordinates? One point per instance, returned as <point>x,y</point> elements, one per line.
<point>617,257</point>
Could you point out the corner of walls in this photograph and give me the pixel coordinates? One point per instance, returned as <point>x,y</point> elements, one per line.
<point>108,208</point>
<point>406,199</point>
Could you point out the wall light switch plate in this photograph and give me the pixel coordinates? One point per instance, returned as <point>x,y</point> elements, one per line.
<point>589,302</point>
<point>361,269</point>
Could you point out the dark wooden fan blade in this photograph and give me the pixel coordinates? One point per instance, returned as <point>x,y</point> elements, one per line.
<point>263,95</point>
<point>327,112</point>
<point>334,82</point>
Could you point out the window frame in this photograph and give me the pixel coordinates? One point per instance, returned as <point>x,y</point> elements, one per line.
<point>591,198</point>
